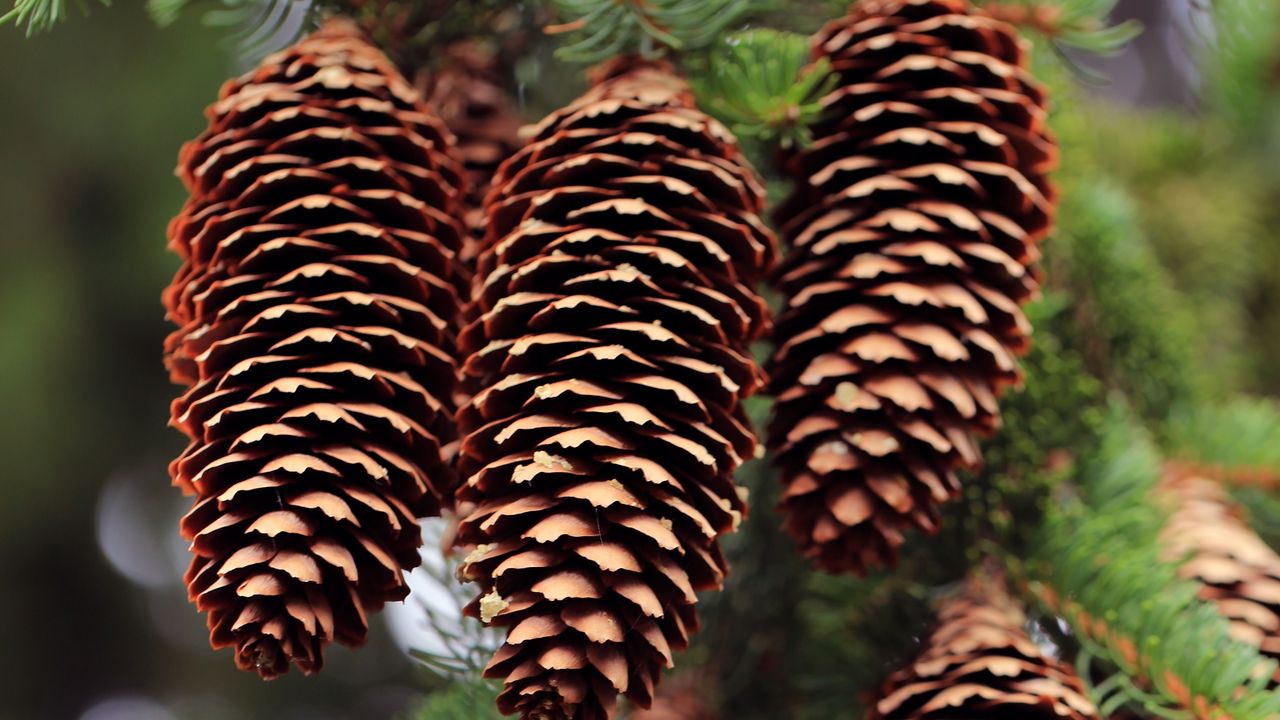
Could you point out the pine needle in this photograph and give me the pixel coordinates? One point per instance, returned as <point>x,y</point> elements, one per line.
<point>41,15</point>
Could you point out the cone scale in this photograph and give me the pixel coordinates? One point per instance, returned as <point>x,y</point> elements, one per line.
<point>612,314</point>
<point>980,663</point>
<point>1236,570</point>
<point>913,231</point>
<point>315,304</point>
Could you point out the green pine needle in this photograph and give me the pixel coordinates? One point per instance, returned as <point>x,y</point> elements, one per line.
<point>1101,553</point>
<point>166,12</point>
<point>1083,24</point>
<point>1244,433</point>
<point>599,29</point>
<point>41,15</point>
<point>760,83</point>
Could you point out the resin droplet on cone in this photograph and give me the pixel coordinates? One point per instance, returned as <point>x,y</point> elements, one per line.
<point>913,231</point>
<point>315,305</point>
<point>614,309</point>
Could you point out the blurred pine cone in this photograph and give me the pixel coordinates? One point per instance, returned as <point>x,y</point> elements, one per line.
<point>1236,570</point>
<point>614,307</point>
<point>913,230</point>
<point>980,663</point>
<point>468,94</point>
<point>315,304</point>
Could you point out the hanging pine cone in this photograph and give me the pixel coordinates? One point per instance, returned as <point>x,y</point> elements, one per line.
<point>467,93</point>
<point>1236,570</point>
<point>315,304</point>
<point>980,663</point>
<point>913,230</point>
<point>613,312</point>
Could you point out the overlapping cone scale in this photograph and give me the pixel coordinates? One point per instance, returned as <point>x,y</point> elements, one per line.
<point>913,234</point>
<point>317,304</point>
<point>608,343</point>
<point>1236,570</point>
<point>980,663</point>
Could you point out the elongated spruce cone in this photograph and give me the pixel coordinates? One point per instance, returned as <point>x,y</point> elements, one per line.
<point>316,307</point>
<point>980,663</point>
<point>913,230</point>
<point>614,307</point>
<point>1236,570</point>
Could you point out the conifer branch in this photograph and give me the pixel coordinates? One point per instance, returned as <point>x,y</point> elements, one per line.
<point>761,84</point>
<point>1082,24</point>
<point>599,29</point>
<point>41,15</point>
<point>1100,567</point>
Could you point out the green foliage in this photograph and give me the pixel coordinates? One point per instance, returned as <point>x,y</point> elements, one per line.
<point>1084,25</point>
<point>600,29</point>
<point>40,15</point>
<point>166,12</point>
<point>1243,58</point>
<point>1099,561</point>
<point>260,18</point>
<point>760,83</point>
<point>1058,415</point>
<point>1202,207</point>
<point>1131,327</point>
<point>1244,432</point>
<point>1079,23</point>
<point>1066,24</point>
<point>254,27</point>
<point>469,700</point>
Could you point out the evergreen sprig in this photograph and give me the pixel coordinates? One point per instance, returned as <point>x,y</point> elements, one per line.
<point>453,649</point>
<point>1236,437</point>
<point>254,27</point>
<point>459,646</point>
<point>1082,24</point>
<point>1100,567</point>
<point>40,15</point>
<point>760,83</point>
<point>599,29</point>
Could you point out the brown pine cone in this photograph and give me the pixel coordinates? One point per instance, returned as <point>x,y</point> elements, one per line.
<point>614,307</point>
<point>980,663</point>
<point>316,304</point>
<point>913,230</point>
<point>1236,570</point>
<point>468,95</point>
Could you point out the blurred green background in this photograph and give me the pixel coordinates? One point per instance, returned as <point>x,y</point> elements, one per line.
<point>94,622</point>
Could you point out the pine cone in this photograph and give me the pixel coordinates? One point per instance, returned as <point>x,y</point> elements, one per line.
<point>468,95</point>
<point>1237,571</point>
<point>980,663</point>
<point>614,307</point>
<point>315,304</point>
<point>913,231</point>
